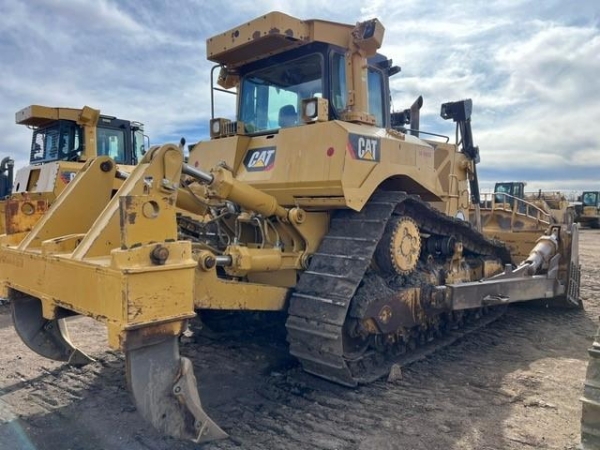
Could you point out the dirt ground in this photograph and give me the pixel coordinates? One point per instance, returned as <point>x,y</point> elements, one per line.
<point>513,385</point>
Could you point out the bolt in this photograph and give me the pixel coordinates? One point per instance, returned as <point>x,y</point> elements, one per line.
<point>385,314</point>
<point>106,166</point>
<point>28,208</point>
<point>167,185</point>
<point>159,255</point>
<point>209,262</point>
<point>177,389</point>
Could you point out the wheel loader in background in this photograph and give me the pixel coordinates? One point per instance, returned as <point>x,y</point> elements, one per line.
<point>308,201</point>
<point>62,140</point>
<point>588,212</point>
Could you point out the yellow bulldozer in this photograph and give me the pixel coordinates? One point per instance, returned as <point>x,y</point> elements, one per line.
<point>588,209</point>
<point>62,140</point>
<point>310,200</point>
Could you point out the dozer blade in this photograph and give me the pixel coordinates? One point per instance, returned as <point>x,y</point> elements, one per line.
<point>571,298</point>
<point>574,278</point>
<point>49,338</point>
<point>165,392</point>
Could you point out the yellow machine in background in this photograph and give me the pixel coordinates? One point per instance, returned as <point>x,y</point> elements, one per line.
<point>308,201</point>
<point>516,217</point>
<point>588,212</point>
<point>554,205</point>
<point>62,140</point>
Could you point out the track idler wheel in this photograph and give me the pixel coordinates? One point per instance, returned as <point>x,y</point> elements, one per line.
<point>165,392</point>
<point>48,338</point>
<point>399,249</point>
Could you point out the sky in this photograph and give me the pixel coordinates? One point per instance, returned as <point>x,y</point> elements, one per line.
<point>531,68</point>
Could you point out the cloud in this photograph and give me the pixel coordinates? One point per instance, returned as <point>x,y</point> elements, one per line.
<point>533,80</point>
<point>531,69</point>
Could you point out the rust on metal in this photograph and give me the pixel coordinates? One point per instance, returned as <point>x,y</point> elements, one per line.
<point>401,309</point>
<point>23,213</point>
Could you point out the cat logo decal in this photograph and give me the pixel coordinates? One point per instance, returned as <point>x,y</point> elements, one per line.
<point>260,159</point>
<point>67,176</point>
<point>364,148</point>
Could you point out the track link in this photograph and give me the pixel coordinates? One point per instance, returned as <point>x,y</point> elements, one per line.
<point>323,296</point>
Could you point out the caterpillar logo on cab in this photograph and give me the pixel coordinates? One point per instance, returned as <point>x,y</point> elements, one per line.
<point>259,159</point>
<point>365,148</point>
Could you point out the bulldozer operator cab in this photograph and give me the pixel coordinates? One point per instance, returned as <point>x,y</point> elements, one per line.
<point>283,90</point>
<point>63,140</point>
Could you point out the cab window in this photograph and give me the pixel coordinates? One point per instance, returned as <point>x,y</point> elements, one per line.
<point>111,143</point>
<point>590,199</point>
<point>59,141</point>
<point>138,142</point>
<point>375,82</point>
<point>500,190</point>
<point>271,97</point>
<point>339,92</point>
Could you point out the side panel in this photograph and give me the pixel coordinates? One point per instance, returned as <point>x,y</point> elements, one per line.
<point>328,161</point>
<point>50,177</point>
<point>449,166</point>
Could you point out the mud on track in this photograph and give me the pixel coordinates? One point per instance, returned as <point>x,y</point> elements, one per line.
<point>512,385</point>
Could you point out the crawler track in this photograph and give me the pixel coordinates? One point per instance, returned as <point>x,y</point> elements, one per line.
<point>329,291</point>
<point>512,386</point>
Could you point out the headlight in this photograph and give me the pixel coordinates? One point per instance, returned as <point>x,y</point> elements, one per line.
<point>315,109</point>
<point>310,108</point>
<point>215,127</point>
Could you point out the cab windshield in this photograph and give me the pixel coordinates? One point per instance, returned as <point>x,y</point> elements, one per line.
<point>63,140</point>
<point>503,193</point>
<point>590,199</point>
<point>271,97</point>
<point>111,142</point>
<point>138,144</point>
<point>59,141</point>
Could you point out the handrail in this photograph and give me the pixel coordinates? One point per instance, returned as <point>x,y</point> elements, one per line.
<point>519,207</point>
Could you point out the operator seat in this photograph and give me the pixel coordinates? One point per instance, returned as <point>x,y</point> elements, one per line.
<point>287,116</point>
